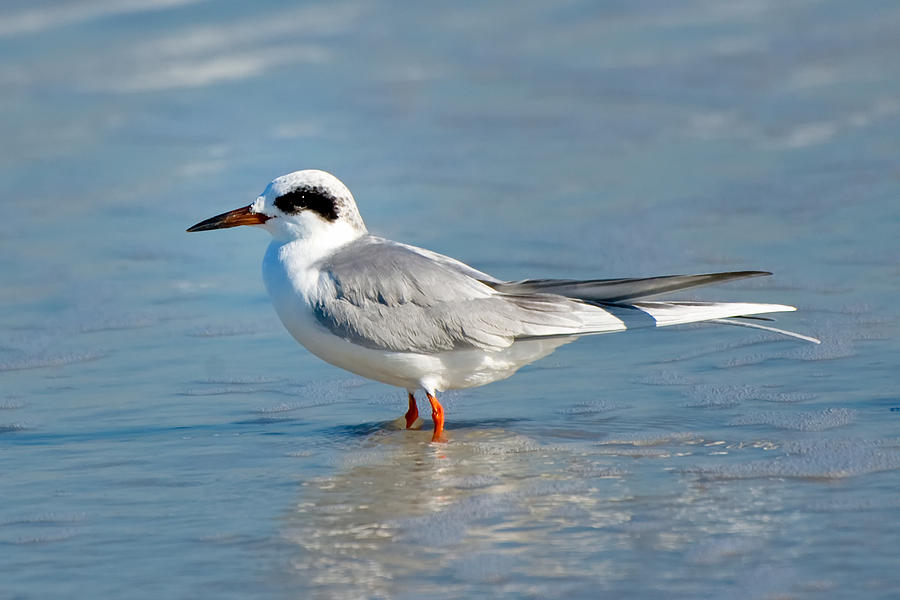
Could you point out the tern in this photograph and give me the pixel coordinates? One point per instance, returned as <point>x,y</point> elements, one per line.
<point>419,320</point>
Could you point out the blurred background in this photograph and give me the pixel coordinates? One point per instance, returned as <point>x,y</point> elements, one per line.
<point>162,436</point>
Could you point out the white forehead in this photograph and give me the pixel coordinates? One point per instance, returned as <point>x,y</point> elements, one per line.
<point>307,178</point>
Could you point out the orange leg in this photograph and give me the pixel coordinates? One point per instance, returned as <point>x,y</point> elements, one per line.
<point>437,415</point>
<point>413,413</point>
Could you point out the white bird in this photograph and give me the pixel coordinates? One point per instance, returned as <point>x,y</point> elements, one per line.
<point>418,320</point>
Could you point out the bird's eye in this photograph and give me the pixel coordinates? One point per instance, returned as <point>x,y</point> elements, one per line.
<point>312,199</point>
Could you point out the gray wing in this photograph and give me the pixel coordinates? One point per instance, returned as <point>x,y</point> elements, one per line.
<point>389,296</point>
<point>617,290</point>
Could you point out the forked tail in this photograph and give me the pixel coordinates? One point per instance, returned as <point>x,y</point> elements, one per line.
<point>626,300</point>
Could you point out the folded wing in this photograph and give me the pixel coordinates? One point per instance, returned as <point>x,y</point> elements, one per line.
<point>393,297</point>
<point>390,296</point>
<point>618,290</point>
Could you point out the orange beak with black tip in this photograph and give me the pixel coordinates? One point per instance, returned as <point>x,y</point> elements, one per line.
<point>233,218</point>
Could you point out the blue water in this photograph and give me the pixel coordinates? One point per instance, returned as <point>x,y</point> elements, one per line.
<point>161,436</point>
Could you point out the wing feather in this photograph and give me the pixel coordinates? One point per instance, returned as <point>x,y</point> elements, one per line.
<point>389,296</point>
<point>618,290</point>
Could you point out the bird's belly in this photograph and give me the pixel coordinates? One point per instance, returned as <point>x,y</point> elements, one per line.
<point>454,369</point>
<point>401,369</point>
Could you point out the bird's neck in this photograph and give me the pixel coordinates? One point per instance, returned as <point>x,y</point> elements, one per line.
<point>318,242</point>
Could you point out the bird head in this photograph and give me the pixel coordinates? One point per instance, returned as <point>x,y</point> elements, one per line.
<point>300,205</point>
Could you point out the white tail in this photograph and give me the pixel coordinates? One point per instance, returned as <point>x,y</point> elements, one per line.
<point>663,314</point>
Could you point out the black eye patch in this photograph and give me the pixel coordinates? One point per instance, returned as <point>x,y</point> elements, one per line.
<point>312,199</point>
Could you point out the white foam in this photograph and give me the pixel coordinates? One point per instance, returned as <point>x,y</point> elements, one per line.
<point>43,361</point>
<point>818,459</point>
<point>820,420</point>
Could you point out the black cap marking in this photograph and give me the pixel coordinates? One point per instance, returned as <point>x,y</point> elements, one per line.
<point>315,199</point>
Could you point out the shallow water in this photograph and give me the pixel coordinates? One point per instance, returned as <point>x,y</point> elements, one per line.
<point>162,436</point>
